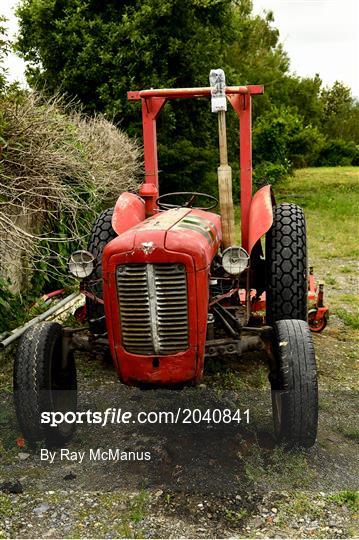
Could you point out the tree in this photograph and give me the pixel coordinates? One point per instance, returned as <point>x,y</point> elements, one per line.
<point>340,113</point>
<point>98,51</point>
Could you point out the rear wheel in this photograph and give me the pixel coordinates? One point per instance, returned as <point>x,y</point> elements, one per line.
<point>102,233</point>
<point>294,384</point>
<point>44,381</point>
<point>286,265</point>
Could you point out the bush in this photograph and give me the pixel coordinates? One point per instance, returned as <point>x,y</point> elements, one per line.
<point>282,141</point>
<point>271,173</point>
<point>58,170</point>
<point>339,152</point>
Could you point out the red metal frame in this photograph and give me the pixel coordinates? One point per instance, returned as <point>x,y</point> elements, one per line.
<point>172,241</point>
<point>240,98</point>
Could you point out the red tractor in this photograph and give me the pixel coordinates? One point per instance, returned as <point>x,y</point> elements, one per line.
<point>167,288</point>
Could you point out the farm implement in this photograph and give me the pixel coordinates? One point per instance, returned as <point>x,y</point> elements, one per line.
<point>167,288</point>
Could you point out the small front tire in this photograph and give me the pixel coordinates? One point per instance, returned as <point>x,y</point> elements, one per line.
<point>294,385</point>
<point>42,383</point>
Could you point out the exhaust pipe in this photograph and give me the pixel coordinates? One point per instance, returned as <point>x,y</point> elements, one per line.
<point>224,171</point>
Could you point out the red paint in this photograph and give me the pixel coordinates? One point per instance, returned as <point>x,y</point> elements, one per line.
<point>260,215</point>
<point>149,194</point>
<point>171,244</point>
<point>49,295</point>
<point>178,93</point>
<point>241,99</point>
<point>150,110</point>
<point>311,287</point>
<point>129,211</point>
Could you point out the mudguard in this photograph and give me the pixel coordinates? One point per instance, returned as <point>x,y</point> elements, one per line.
<point>260,215</point>
<point>128,212</point>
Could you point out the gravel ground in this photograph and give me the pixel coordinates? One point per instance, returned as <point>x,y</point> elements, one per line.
<point>203,480</point>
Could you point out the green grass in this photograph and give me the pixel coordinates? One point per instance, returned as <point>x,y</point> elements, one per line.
<point>330,199</point>
<point>346,498</point>
<point>349,319</point>
<point>278,467</point>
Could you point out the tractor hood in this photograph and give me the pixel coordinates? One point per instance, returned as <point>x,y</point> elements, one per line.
<point>182,230</point>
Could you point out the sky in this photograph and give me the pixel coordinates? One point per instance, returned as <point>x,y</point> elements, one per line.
<point>320,36</point>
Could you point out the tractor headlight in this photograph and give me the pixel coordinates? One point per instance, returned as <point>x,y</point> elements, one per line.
<point>81,263</point>
<point>235,260</point>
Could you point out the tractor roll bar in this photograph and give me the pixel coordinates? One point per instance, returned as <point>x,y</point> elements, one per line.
<point>153,100</point>
<point>177,93</point>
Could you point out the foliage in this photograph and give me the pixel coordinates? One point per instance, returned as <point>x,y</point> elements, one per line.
<point>10,311</point>
<point>99,50</point>
<point>4,49</point>
<point>340,113</point>
<point>267,172</point>
<point>347,497</point>
<point>58,170</point>
<point>282,141</point>
<point>338,152</point>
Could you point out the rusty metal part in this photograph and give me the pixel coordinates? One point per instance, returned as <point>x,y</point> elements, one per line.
<point>318,316</point>
<point>318,319</point>
<point>78,339</point>
<point>251,339</point>
<point>52,311</point>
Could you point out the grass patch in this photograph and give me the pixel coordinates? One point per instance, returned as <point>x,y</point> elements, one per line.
<point>350,432</point>
<point>330,280</point>
<point>349,319</point>
<point>346,269</point>
<point>350,299</point>
<point>235,517</point>
<point>330,199</point>
<point>278,468</point>
<point>346,498</point>
<point>299,505</point>
<point>117,515</point>
<point>6,507</point>
<point>241,377</point>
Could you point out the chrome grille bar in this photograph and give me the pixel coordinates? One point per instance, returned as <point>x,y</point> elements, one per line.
<point>153,308</point>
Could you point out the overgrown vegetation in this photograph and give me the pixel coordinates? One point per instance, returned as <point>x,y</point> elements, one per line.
<point>58,170</point>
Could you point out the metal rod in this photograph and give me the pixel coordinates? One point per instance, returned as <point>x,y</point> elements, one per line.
<point>15,334</point>
<point>173,93</point>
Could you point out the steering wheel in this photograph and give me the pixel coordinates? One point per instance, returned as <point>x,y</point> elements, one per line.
<point>191,197</point>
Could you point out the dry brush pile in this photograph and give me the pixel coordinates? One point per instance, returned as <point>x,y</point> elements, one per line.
<point>58,170</point>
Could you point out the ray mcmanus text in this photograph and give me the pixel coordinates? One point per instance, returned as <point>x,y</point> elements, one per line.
<point>93,454</point>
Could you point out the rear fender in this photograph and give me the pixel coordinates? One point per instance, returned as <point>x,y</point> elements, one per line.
<point>260,215</point>
<point>128,212</point>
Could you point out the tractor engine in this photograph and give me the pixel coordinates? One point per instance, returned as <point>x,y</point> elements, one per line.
<point>156,289</point>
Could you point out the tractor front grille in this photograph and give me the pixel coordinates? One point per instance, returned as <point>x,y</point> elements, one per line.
<point>153,308</point>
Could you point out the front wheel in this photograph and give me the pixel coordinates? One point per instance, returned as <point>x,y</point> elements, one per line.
<point>44,382</point>
<point>294,385</point>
